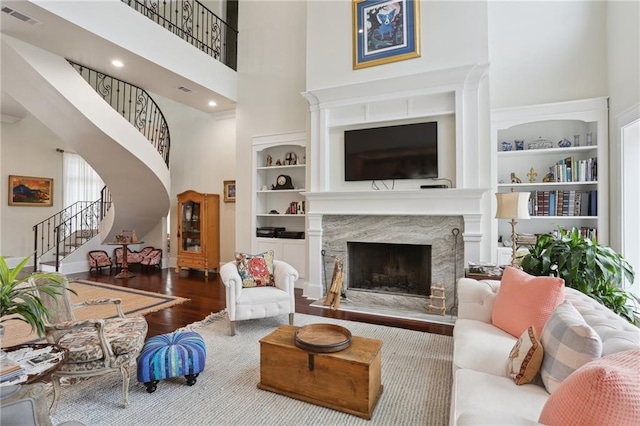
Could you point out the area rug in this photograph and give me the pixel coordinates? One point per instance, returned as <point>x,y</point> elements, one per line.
<point>134,303</point>
<point>416,375</point>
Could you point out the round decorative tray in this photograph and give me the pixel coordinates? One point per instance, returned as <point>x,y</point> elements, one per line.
<point>323,338</point>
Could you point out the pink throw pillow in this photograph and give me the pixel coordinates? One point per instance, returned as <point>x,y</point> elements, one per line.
<point>525,300</point>
<point>602,392</point>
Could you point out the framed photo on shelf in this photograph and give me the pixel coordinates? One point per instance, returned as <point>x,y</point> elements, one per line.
<point>30,191</point>
<point>385,31</point>
<point>229,191</point>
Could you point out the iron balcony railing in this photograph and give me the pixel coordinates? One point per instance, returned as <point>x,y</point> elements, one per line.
<point>194,23</point>
<point>134,104</point>
<point>68,229</point>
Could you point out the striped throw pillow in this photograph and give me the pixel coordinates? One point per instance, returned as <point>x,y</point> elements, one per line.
<point>569,343</point>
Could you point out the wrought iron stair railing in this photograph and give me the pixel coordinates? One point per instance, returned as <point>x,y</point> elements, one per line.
<point>67,230</point>
<point>194,23</point>
<point>134,104</point>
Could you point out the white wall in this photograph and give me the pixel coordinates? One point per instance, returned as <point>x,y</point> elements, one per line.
<point>546,51</point>
<point>28,149</point>
<point>271,76</point>
<point>623,36</point>
<point>202,156</point>
<point>452,34</point>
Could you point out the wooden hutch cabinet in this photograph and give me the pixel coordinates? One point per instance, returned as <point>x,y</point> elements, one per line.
<point>198,231</point>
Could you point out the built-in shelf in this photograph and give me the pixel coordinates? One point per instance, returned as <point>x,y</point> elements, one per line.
<point>555,122</point>
<point>539,184</point>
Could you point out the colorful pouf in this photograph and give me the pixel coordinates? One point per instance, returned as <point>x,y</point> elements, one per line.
<point>181,353</point>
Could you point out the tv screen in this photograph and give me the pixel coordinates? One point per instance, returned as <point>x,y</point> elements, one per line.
<point>408,151</point>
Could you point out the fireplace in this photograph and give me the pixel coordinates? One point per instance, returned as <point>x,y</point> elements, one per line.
<point>389,268</point>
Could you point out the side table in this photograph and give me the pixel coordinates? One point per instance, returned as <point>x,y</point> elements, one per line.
<point>26,402</point>
<point>481,276</point>
<point>42,375</point>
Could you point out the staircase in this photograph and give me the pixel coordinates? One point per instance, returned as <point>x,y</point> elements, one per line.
<point>134,170</point>
<point>60,235</point>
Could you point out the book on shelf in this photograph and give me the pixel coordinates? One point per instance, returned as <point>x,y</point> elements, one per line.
<point>577,203</point>
<point>593,202</point>
<point>584,207</point>
<point>571,204</point>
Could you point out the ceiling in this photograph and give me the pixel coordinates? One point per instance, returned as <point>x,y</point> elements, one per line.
<point>52,33</point>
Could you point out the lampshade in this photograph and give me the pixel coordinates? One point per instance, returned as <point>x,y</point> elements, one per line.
<point>513,205</point>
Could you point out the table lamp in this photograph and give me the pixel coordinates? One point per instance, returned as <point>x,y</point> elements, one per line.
<point>513,205</point>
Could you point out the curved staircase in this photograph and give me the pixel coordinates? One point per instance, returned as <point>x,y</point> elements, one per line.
<point>131,167</point>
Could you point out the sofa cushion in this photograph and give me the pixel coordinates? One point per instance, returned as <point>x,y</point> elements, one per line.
<point>525,300</point>
<point>568,344</point>
<point>476,392</point>
<point>480,346</point>
<point>525,358</point>
<point>256,270</point>
<point>602,392</point>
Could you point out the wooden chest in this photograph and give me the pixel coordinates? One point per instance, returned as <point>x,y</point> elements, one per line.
<point>349,380</point>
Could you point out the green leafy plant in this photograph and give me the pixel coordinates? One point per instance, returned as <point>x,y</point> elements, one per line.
<point>595,270</point>
<point>21,301</point>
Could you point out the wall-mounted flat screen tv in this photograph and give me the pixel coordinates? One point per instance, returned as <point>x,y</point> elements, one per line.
<point>408,151</point>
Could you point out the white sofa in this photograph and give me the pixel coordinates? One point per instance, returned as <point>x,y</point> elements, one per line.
<point>483,394</point>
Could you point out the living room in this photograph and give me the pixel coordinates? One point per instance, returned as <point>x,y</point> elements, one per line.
<point>535,53</point>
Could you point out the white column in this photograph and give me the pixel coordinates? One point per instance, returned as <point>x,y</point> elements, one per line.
<point>313,288</point>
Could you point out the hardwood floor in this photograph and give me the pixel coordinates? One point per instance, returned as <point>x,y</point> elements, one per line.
<point>207,296</point>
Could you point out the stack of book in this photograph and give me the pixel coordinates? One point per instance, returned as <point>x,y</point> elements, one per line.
<point>9,370</point>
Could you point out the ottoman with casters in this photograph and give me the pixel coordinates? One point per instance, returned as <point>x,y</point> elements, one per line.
<point>181,353</point>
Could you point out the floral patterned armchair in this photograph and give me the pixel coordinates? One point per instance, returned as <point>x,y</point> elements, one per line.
<point>99,259</point>
<point>153,258</point>
<point>96,346</point>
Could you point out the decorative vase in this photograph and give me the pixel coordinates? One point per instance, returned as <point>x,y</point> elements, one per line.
<point>576,140</point>
<point>187,212</point>
<point>506,146</point>
<point>519,145</point>
<point>134,237</point>
<point>589,138</point>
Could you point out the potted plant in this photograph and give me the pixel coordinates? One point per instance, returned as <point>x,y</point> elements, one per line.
<point>20,301</point>
<point>595,270</point>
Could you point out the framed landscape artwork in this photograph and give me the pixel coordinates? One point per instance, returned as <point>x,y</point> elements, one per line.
<point>229,191</point>
<point>385,31</point>
<point>30,191</point>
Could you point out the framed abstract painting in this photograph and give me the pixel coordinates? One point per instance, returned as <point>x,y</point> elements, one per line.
<point>30,191</point>
<point>385,31</point>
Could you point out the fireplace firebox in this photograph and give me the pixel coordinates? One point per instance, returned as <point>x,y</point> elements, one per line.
<point>389,268</point>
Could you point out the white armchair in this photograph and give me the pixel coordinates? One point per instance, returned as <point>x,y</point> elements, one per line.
<point>259,302</point>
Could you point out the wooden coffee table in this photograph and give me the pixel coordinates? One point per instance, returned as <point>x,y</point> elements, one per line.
<point>348,381</point>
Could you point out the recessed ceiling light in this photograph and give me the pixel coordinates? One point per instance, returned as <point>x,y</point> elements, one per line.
<point>212,103</point>
<point>117,63</point>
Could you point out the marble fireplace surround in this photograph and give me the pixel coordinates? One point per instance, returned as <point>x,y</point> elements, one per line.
<point>332,204</point>
<point>408,216</point>
<point>435,231</point>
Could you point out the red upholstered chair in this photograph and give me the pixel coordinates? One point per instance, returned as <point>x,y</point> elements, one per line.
<point>99,259</point>
<point>153,258</point>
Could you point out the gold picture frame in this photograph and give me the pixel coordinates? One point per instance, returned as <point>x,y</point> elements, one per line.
<point>30,191</point>
<point>229,191</point>
<point>385,31</point>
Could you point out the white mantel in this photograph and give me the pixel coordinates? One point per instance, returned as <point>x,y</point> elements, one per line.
<point>422,202</point>
<point>461,96</point>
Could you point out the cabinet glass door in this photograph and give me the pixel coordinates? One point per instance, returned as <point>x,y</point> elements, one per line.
<point>191,228</point>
